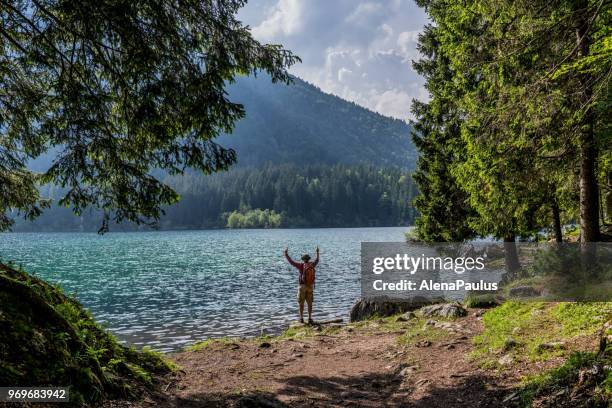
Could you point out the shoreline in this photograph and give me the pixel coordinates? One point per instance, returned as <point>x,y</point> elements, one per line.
<point>200,229</point>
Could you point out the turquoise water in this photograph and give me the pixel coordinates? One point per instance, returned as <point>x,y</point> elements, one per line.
<point>167,289</point>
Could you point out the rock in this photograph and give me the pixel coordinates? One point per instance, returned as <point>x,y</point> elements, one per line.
<point>448,310</point>
<point>524,291</point>
<point>407,371</point>
<point>265,344</point>
<point>430,322</point>
<point>505,360</point>
<point>384,307</point>
<point>453,327</point>
<point>556,345</point>
<point>423,343</point>
<point>510,343</point>
<point>479,312</point>
<point>298,355</point>
<point>405,317</point>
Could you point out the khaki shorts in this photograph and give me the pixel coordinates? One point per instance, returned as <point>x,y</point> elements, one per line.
<point>305,294</point>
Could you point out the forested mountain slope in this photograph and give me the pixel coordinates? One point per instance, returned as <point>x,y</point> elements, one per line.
<point>298,122</point>
<point>312,158</point>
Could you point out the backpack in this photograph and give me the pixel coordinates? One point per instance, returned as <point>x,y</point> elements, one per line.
<point>309,275</point>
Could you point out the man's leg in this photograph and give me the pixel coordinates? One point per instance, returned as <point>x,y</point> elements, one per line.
<point>302,311</point>
<point>301,298</point>
<point>309,299</point>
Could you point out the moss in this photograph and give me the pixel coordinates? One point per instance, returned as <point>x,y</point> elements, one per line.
<point>48,338</point>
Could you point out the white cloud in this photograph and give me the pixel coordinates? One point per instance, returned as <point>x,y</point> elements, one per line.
<point>394,103</point>
<point>285,19</point>
<point>406,41</point>
<point>343,74</point>
<point>364,11</point>
<point>360,50</point>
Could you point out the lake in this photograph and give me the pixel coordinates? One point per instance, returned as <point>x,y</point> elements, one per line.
<point>168,289</point>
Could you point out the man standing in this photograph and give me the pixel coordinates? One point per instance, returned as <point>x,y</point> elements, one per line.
<point>306,282</point>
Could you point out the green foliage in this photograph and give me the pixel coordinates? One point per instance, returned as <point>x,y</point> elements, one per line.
<point>49,339</point>
<point>116,89</point>
<point>254,219</point>
<point>518,121</point>
<point>442,204</point>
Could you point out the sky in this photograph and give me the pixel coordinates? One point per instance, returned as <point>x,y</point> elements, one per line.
<point>360,50</point>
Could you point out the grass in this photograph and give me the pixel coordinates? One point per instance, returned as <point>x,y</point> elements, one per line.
<point>420,332</point>
<point>530,325</point>
<point>200,345</point>
<point>561,381</point>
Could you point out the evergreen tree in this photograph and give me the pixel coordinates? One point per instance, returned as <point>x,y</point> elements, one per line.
<point>117,88</point>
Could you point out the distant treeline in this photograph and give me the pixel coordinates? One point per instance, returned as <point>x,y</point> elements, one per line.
<point>295,196</point>
<point>304,196</point>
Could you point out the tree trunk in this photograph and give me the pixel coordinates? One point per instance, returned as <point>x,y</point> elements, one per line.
<point>589,194</point>
<point>557,222</point>
<point>511,256</point>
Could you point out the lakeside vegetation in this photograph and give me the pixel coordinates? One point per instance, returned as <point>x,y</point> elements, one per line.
<point>257,218</point>
<point>48,338</point>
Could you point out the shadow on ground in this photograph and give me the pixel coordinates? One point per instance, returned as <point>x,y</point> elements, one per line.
<point>367,390</point>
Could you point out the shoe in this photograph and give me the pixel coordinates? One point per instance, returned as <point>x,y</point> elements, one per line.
<point>310,321</point>
<point>302,321</point>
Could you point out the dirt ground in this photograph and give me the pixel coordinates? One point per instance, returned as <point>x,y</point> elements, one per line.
<point>351,367</point>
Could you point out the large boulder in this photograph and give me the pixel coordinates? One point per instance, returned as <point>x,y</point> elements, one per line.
<point>448,310</point>
<point>383,307</point>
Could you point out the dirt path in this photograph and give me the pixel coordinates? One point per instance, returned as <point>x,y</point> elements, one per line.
<point>366,366</point>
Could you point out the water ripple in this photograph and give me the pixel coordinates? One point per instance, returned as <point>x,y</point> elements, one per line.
<point>167,289</point>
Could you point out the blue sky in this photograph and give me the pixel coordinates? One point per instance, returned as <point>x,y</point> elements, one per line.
<point>360,50</point>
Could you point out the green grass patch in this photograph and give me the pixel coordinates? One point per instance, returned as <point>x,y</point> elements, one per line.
<point>200,345</point>
<point>529,325</point>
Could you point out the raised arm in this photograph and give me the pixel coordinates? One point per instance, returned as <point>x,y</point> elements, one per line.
<point>291,261</point>
<point>316,261</point>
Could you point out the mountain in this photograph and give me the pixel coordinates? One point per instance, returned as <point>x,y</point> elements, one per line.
<point>311,158</point>
<point>298,122</point>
